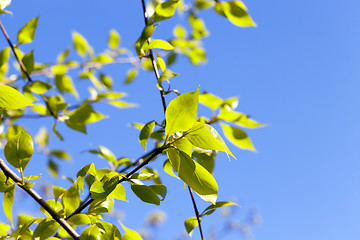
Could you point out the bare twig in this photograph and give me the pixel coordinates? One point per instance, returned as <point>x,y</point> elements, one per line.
<point>9,173</point>
<point>23,68</point>
<point>162,94</point>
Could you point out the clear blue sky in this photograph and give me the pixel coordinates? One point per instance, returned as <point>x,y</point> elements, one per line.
<point>298,71</point>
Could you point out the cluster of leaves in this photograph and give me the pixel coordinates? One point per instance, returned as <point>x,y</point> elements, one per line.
<point>189,141</point>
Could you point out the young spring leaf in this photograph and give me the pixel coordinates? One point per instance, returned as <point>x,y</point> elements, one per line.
<point>236,12</point>
<point>181,112</point>
<point>198,178</point>
<point>210,209</point>
<point>149,194</point>
<point>210,100</point>
<point>206,137</point>
<point>28,61</point>
<point>130,234</point>
<point>190,224</point>
<point>71,199</point>
<point>45,229</point>
<point>80,44</point>
<point>164,11</point>
<point>3,229</point>
<point>27,33</point>
<point>8,200</point>
<point>238,137</point>
<point>10,98</point>
<point>227,114</point>
<point>39,86</point>
<point>91,233</point>
<point>114,39</point>
<point>145,133</point>
<point>157,43</point>
<point>101,205</point>
<point>19,149</point>
<point>167,74</point>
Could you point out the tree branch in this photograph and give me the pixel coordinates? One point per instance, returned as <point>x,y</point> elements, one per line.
<point>148,156</point>
<point>23,68</point>
<point>9,173</point>
<point>162,94</point>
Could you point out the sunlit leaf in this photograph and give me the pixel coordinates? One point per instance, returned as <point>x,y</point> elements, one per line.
<point>157,43</point>
<point>238,137</point>
<point>190,224</point>
<point>80,43</point>
<point>114,39</point>
<point>149,194</point>
<point>210,209</point>
<point>91,233</point>
<point>145,133</point>
<point>164,11</point>
<point>210,100</point>
<point>10,98</point>
<point>130,234</point>
<point>39,86</point>
<point>101,205</point>
<point>227,114</point>
<point>4,228</point>
<point>236,12</point>
<point>8,200</point>
<point>130,75</point>
<point>167,74</point>
<point>181,113</point>
<point>27,33</point>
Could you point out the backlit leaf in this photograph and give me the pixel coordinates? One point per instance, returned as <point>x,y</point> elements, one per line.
<point>236,12</point>
<point>45,229</point>
<point>238,137</point>
<point>181,113</point>
<point>167,74</point>
<point>210,100</point>
<point>101,205</point>
<point>164,11</point>
<point>27,33</point>
<point>157,43</point>
<point>8,200</point>
<point>114,39</point>
<point>145,133</point>
<point>39,86</point>
<point>210,209</point>
<point>190,224</point>
<point>91,233</point>
<point>130,234</point>
<point>80,43</point>
<point>227,114</point>
<point>19,149</point>
<point>10,98</point>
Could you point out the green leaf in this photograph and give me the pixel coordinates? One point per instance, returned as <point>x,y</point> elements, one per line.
<point>106,80</point>
<point>238,137</point>
<point>167,74</point>
<point>101,205</point>
<point>45,229</point>
<point>64,83</point>
<point>119,193</point>
<point>54,205</point>
<point>190,224</point>
<point>145,133</point>
<point>4,56</point>
<point>27,33</point>
<point>157,43</point>
<point>91,233</point>
<point>145,35</point>
<point>130,75</point>
<point>10,98</point>
<point>114,39</point>
<point>102,189</point>
<point>80,43</point>
<point>164,11</point>
<point>71,199</point>
<point>80,219</point>
<point>198,178</point>
<point>8,200</point>
<point>205,158</point>
<point>58,191</point>
<point>227,114</point>
<point>83,115</point>
<point>210,100</point>
<point>181,112</point>
<point>168,168</point>
<point>180,32</point>
<point>206,137</point>
<point>39,86</point>
<point>198,26</point>
<point>203,4</point>
<point>4,228</point>
<point>236,12</point>
<point>28,61</point>
<point>61,57</point>
<point>19,149</point>
<point>110,232</point>
<point>60,154</point>
<point>210,209</point>
<point>149,194</point>
<point>130,234</point>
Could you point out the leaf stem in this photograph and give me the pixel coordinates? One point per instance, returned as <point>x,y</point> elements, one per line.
<point>9,173</point>
<point>196,212</point>
<point>23,68</point>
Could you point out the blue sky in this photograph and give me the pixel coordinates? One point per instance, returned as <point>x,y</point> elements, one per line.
<point>298,71</point>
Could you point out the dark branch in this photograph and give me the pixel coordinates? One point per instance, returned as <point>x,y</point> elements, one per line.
<point>9,173</point>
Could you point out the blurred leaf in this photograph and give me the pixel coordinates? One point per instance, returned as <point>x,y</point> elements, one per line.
<point>163,11</point>
<point>238,137</point>
<point>190,224</point>
<point>106,80</point>
<point>130,75</point>
<point>203,4</point>
<point>236,12</point>
<point>27,33</point>
<point>42,137</point>
<point>64,83</point>
<point>10,98</point>
<point>227,114</point>
<point>114,39</point>
<point>28,61</point>
<point>210,209</point>
<point>53,168</point>
<point>4,4</point>
<point>198,26</point>
<point>4,228</point>
<point>157,43</point>
<point>180,32</point>
<point>19,149</point>
<point>61,57</point>
<point>39,86</point>
<point>181,113</point>
<point>60,154</point>
<point>80,43</point>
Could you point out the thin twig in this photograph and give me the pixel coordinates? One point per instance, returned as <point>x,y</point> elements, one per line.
<point>151,155</point>
<point>23,68</point>
<point>9,173</point>
<point>162,94</point>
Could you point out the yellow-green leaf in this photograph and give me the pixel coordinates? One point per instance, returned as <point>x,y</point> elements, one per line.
<point>114,39</point>
<point>157,43</point>
<point>236,12</point>
<point>10,98</point>
<point>238,137</point>
<point>190,224</point>
<point>80,43</point>
<point>27,33</point>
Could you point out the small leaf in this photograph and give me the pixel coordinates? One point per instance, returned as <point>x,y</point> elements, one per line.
<point>28,61</point>
<point>4,56</point>
<point>164,11</point>
<point>27,33</point>
<point>4,228</point>
<point>10,98</point>
<point>80,219</point>
<point>227,114</point>
<point>238,137</point>
<point>64,83</point>
<point>39,86</point>
<point>106,81</point>
<point>130,75</point>
<point>236,12</point>
<point>149,194</point>
<point>19,149</point>
<point>8,200</point>
<point>180,32</point>
<point>118,193</point>
<point>60,154</point>
<point>80,43</point>
<point>145,133</point>
<point>210,100</point>
<point>130,234</point>
<point>110,232</point>
<point>181,112</point>
<point>190,224</point>
<point>157,43</point>
<point>210,209</point>
<point>168,168</point>
<point>114,39</point>
<point>71,199</point>
<point>101,205</point>
<point>167,74</point>
<point>4,4</point>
